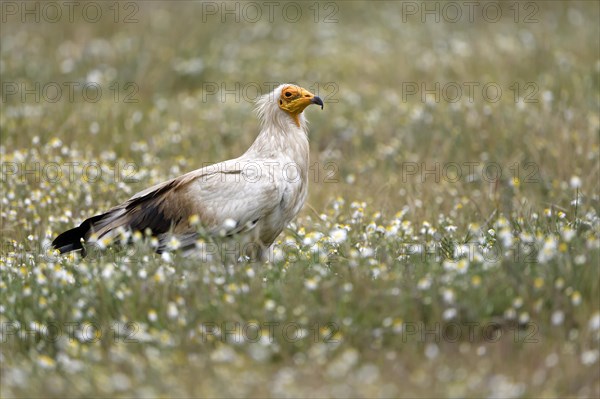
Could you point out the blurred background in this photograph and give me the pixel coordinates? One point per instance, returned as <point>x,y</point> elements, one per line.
<point>180,80</point>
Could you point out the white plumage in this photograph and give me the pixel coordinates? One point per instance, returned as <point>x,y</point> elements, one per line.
<point>243,203</point>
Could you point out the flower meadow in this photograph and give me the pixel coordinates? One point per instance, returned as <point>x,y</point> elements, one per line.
<point>449,246</point>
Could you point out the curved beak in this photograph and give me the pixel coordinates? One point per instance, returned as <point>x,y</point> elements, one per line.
<point>317,100</point>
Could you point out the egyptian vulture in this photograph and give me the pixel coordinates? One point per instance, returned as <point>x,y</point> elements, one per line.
<point>246,201</point>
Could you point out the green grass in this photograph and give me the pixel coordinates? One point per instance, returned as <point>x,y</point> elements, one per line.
<point>397,279</point>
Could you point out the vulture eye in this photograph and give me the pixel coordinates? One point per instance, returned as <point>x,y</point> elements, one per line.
<point>288,94</point>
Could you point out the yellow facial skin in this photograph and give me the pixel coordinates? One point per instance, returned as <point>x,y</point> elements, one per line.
<point>294,99</point>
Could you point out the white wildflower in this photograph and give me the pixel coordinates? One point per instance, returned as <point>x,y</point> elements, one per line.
<point>589,357</point>
<point>338,235</point>
<point>172,311</point>
<point>548,251</point>
<point>594,323</point>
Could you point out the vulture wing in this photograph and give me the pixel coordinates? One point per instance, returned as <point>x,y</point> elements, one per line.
<point>227,198</point>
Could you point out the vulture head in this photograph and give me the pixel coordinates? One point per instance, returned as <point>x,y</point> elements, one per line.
<point>285,104</point>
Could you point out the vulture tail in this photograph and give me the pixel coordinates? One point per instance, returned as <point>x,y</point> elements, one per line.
<point>70,240</point>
